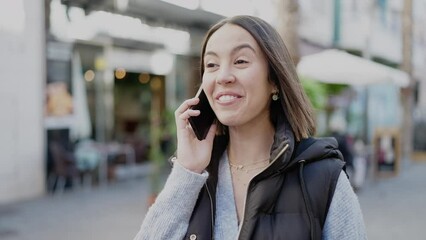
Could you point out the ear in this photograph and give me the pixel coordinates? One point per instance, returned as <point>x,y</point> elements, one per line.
<point>274,89</point>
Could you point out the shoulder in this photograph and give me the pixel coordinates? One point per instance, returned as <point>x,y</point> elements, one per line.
<point>321,179</point>
<point>344,196</point>
<point>344,218</point>
<point>327,169</point>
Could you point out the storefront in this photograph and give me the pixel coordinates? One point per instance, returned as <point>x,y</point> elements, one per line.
<point>118,92</point>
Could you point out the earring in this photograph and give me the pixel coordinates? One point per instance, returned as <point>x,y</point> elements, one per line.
<point>275,96</point>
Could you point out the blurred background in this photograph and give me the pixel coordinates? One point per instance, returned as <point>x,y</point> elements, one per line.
<point>88,90</point>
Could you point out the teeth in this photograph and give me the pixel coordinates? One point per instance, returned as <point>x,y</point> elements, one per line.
<point>226,98</point>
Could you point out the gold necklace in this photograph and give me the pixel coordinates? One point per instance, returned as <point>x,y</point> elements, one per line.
<point>246,167</point>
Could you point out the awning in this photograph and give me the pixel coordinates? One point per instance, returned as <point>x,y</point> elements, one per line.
<point>336,66</point>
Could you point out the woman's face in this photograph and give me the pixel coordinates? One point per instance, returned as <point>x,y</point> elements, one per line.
<point>235,77</point>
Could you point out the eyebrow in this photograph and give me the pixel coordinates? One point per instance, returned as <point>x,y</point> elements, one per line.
<point>234,50</point>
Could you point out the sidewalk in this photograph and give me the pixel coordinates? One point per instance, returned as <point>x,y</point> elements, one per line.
<point>393,208</point>
<point>109,213</point>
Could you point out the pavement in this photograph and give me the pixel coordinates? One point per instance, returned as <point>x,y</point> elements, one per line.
<point>394,208</point>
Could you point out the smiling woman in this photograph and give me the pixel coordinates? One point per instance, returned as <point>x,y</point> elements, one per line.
<point>259,177</point>
<point>235,79</point>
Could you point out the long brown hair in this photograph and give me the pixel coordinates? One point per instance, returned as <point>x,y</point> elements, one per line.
<point>293,103</point>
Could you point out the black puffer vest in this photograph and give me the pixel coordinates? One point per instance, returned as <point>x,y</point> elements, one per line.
<point>288,200</point>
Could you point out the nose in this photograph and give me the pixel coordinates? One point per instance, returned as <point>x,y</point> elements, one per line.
<point>225,76</point>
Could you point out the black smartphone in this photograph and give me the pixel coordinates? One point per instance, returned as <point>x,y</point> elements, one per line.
<point>201,123</point>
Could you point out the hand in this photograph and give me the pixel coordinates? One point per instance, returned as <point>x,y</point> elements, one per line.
<point>192,153</point>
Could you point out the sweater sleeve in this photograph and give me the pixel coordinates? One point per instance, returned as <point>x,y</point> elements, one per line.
<point>169,216</point>
<point>344,219</point>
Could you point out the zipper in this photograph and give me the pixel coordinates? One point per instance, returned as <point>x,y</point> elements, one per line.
<point>248,186</point>
<point>211,211</point>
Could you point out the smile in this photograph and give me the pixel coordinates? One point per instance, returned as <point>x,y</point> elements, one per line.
<point>226,98</point>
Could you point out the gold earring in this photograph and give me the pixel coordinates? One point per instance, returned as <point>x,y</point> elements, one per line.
<point>275,96</point>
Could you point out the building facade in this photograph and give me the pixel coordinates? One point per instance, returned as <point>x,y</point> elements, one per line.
<point>22,81</point>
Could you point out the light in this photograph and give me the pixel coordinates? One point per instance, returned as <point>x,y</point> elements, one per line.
<point>188,4</point>
<point>120,73</point>
<point>156,84</point>
<point>100,63</point>
<point>83,27</point>
<point>89,75</point>
<point>144,78</point>
<point>161,63</point>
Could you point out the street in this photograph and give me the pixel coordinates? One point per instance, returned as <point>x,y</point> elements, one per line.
<point>393,208</point>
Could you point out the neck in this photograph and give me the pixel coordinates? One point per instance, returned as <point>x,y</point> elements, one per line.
<point>251,143</point>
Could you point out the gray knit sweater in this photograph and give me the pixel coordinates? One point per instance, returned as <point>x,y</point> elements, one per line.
<point>169,216</point>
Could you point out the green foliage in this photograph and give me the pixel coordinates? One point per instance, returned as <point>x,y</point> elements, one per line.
<point>162,131</point>
<point>169,122</point>
<point>157,158</point>
<point>316,92</point>
<point>334,89</point>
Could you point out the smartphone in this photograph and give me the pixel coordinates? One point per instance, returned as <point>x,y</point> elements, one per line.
<point>201,123</point>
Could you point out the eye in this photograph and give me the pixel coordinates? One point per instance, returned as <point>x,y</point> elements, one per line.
<point>211,65</point>
<point>240,61</point>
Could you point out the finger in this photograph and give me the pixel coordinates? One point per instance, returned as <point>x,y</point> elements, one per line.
<point>186,105</point>
<point>180,124</point>
<point>186,131</point>
<point>182,119</point>
<point>189,113</point>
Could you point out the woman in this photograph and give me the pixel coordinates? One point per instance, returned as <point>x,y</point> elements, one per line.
<point>261,176</point>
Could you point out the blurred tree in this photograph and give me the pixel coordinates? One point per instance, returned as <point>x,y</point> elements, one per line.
<point>316,91</point>
<point>288,21</point>
<point>168,133</point>
<point>156,155</point>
